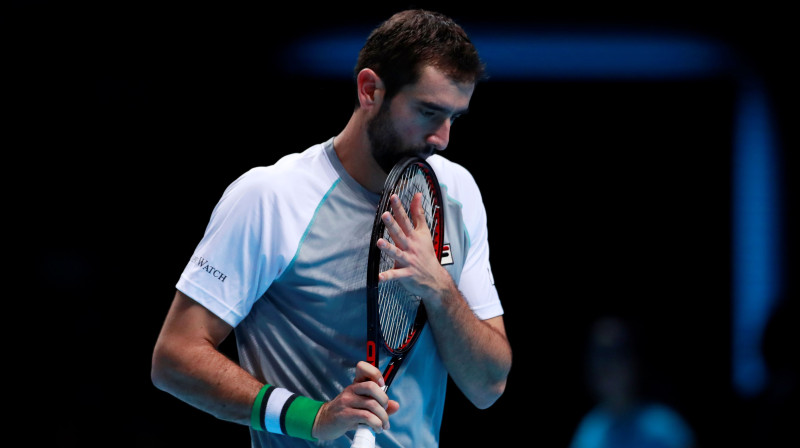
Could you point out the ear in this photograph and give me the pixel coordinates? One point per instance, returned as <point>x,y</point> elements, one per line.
<point>370,89</point>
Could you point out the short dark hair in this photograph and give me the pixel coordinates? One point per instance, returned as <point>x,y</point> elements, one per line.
<point>399,48</point>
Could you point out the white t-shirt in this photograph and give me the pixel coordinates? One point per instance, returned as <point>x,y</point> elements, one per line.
<point>284,261</point>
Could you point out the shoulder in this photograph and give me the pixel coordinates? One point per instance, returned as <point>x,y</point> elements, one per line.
<point>310,169</point>
<point>312,163</point>
<point>660,414</point>
<point>591,429</point>
<point>455,179</point>
<point>446,169</point>
<point>658,418</point>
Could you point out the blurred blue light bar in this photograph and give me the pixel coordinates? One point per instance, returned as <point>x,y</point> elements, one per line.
<point>604,55</point>
<point>527,54</point>
<point>756,235</point>
<point>330,56</point>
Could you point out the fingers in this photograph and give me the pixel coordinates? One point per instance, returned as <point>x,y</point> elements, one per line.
<point>376,399</point>
<point>392,407</point>
<point>398,223</point>
<point>398,236</point>
<point>373,403</point>
<point>362,402</point>
<point>417,212</point>
<point>415,262</point>
<point>399,212</point>
<point>400,228</point>
<point>369,383</point>
<point>367,372</point>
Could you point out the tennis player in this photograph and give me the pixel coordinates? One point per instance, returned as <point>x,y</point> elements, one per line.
<point>283,264</point>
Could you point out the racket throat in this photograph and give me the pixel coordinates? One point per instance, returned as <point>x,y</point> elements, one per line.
<point>391,371</point>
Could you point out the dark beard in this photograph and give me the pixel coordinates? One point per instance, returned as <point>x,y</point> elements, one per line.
<point>387,146</point>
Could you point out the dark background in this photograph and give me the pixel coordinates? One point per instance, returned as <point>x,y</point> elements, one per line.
<point>130,119</point>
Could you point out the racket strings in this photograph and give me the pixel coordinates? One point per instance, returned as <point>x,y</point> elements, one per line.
<point>398,311</point>
<point>415,181</point>
<point>397,308</point>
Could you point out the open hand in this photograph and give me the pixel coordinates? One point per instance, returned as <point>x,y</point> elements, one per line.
<point>416,266</point>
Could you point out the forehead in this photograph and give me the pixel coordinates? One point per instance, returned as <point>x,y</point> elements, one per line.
<point>434,87</point>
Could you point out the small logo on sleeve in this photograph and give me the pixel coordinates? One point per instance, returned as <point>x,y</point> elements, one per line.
<point>206,266</point>
<point>447,256</point>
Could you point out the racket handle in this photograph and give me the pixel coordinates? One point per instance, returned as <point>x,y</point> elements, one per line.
<point>364,437</point>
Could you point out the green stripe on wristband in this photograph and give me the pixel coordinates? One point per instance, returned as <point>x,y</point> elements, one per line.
<point>300,417</point>
<point>256,415</point>
<point>295,418</point>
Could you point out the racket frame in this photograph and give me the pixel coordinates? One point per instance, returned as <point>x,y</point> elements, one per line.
<point>374,337</point>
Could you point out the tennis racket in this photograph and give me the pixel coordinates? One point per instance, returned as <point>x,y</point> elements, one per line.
<point>395,317</point>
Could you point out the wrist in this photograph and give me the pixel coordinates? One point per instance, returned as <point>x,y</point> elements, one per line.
<point>314,429</point>
<point>280,411</point>
<point>444,293</point>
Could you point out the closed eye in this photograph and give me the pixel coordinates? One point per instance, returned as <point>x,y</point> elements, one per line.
<point>430,110</point>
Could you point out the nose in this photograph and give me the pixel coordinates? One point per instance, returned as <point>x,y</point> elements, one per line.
<point>440,137</point>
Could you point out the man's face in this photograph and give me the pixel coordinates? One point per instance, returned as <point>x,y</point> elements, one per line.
<point>416,122</point>
<point>388,146</point>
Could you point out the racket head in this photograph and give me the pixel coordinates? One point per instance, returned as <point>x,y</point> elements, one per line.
<point>396,317</point>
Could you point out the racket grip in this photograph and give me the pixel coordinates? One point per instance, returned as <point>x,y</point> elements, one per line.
<point>364,437</point>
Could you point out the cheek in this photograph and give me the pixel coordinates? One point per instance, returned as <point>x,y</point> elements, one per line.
<point>407,131</point>
<point>407,124</point>
<point>411,129</point>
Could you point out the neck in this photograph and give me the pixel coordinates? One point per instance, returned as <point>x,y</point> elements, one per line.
<point>353,149</point>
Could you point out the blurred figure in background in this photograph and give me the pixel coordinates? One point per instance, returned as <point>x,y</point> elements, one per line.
<point>622,416</point>
<point>770,418</point>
